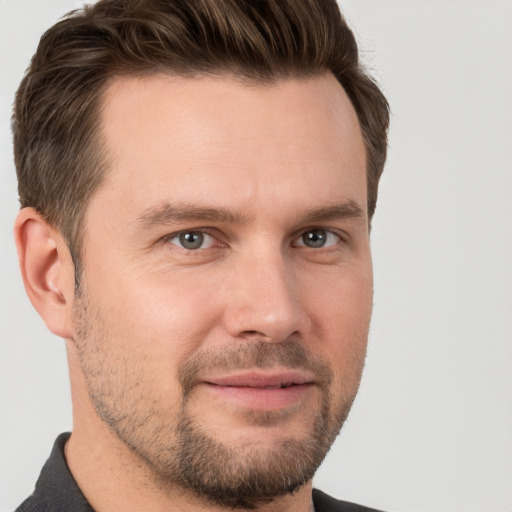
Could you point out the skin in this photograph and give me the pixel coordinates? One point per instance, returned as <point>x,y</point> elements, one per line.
<point>269,155</point>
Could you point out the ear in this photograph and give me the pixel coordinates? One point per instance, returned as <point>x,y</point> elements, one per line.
<point>47,270</point>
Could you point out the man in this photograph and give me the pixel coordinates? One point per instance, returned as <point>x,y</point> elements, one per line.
<point>197,181</point>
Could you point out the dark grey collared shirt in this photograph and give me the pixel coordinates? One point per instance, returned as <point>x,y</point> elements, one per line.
<point>57,491</point>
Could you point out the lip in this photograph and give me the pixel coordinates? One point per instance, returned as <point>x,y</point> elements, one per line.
<point>256,379</point>
<point>264,391</point>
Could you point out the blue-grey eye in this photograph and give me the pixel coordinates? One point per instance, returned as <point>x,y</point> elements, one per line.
<point>317,238</point>
<point>192,240</point>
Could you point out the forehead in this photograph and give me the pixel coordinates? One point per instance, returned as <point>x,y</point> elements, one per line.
<point>220,139</point>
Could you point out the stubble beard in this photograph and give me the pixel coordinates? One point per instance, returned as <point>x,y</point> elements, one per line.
<point>179,450</point>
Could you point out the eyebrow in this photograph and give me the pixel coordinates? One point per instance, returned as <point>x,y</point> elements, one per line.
<point>186,212</point>
<point>346,210</point>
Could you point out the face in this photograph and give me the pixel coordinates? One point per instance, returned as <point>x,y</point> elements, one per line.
<point>224,307</point>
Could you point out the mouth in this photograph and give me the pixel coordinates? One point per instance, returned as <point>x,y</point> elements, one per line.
<point>262,390</point>
<point>263,380</point>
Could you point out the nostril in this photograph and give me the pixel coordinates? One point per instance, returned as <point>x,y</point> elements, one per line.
<point>252,333</point>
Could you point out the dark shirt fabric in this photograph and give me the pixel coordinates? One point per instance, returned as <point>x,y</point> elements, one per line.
<point>57,491</point>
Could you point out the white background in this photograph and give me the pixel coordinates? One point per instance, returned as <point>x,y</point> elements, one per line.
<point>432,427</point>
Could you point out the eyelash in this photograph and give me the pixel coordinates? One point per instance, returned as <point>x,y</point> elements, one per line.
<point>203,232</point>
<point>330,234</point>
<point>297,238</point>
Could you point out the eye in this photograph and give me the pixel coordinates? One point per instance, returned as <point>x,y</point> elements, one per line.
<point>317,238</point>
<point>192,240</point>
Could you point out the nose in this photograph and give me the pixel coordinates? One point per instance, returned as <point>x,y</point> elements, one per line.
<point>264,300</point>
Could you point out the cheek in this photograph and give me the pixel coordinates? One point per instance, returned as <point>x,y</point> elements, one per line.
<point>159,317</point>
<point>341,314</point>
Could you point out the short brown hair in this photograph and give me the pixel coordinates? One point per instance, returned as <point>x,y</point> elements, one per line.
<point>57,146</point>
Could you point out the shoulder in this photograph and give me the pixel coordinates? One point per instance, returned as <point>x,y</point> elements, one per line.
<point>325,503</point>
<point>56,490</point>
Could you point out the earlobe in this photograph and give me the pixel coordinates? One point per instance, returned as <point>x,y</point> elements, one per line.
<point>47,270</point>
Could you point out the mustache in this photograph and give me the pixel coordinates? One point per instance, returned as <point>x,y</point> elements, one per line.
<point>250,355</point>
